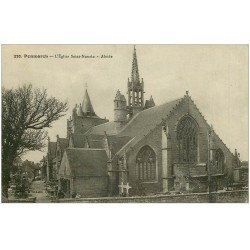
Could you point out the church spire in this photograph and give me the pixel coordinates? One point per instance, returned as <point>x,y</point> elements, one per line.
<point>135,72</point>
<point>135,89</point>
<point>87,107</point>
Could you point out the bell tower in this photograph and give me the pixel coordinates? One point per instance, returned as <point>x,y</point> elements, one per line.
<point>135,89</point>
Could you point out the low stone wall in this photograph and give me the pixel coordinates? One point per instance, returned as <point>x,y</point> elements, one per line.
<point>28,200</point>
<point>240,196</point>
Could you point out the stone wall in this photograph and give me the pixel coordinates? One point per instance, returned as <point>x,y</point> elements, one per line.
<point>154,140</point>
<point>240,196</point>
<point>91,186</point>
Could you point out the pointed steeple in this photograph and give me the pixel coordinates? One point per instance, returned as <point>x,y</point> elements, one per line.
<point>135,89</point>
<point>87,107</point>
<point>135,72</point>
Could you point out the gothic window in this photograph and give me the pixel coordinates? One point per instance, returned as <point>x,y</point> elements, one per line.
<point>219,159</point>
<point>187,140</point>
<point>146,164</point>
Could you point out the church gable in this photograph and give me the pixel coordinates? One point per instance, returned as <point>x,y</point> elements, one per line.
<point>182,120</point>
<point>188,109</point>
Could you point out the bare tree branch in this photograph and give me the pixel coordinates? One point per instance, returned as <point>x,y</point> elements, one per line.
<point>26,112</point>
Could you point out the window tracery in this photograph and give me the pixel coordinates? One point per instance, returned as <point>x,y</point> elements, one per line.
<point>146,164</point>
<point>187,137</point>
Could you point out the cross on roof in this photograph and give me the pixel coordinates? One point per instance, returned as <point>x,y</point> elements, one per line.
<point>126,187</point>
<point>86,85</point>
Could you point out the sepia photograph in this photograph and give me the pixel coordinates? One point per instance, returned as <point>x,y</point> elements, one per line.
<point>125,123</point>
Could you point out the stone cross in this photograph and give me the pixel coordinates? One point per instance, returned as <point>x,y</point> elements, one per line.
<point>126,187</point>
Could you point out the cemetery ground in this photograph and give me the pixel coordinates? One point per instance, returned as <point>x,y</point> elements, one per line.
<point>40,192</point>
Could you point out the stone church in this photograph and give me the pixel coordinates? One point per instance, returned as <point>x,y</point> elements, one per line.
<point>147,148</point>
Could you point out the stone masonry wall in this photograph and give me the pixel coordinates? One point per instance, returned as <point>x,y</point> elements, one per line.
<point>94,186</point>
<point>222,197</point>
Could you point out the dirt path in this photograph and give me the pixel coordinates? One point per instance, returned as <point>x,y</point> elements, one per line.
<point>39,191</point>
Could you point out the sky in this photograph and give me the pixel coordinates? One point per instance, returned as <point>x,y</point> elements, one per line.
<point>216,77</point>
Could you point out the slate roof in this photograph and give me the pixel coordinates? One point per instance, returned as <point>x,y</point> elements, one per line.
<point>78,140</point>
<point>87,107</point>
<point>147,119</point>
<point>95,141</point>
<point>108,127</point>
<point>86,162</point>
<point>117,142</point>
<point>140,124</point>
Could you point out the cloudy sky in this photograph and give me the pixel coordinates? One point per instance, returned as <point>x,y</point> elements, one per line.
<point>215,75</point>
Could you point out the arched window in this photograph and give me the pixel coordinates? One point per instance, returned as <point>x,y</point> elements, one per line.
<point>187,140</point>
<point>219,159</point>
<point>146,164</point>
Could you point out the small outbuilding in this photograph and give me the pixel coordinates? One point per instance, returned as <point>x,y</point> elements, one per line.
<point>83,171</point>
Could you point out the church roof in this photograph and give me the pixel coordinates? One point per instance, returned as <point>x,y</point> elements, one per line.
<point>117,142</point>
<point>85,162</point>
<point>147,119</point>
<point>78,140</point>
<point>140,124</point>
<point>87,107</point>
<point>95,141</point>
<point>108,127</point>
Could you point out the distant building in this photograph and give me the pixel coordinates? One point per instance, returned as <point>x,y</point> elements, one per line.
<point>54,157</point>
<point>147,149</point>
<point>51,154</point>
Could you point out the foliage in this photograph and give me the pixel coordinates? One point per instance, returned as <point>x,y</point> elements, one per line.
<point>26,112</point>
<point>30,168</point>
<point>21,186</point>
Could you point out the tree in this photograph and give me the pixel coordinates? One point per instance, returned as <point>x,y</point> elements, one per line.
<point>26,112</point>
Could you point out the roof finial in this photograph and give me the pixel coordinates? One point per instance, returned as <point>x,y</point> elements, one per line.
<point>86,85</point>
<point>187,92</point>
